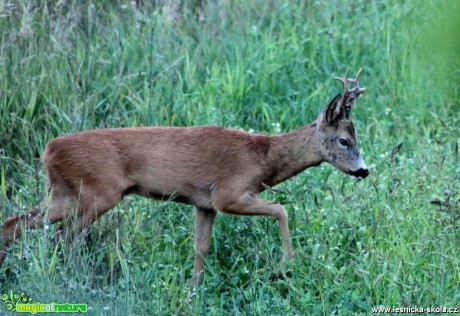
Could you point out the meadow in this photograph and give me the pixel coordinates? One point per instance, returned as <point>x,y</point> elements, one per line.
<point>392,240</point>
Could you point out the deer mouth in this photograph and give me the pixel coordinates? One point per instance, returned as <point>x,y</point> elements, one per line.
<point>359,174</point>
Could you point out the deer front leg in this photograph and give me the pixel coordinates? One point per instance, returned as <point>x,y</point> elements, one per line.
<point>250,204</point>
<point>204,220</point>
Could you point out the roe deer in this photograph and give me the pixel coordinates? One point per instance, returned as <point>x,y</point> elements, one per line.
<point>212,168</point>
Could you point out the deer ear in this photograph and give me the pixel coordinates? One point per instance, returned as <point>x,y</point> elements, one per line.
<point>330,114</point>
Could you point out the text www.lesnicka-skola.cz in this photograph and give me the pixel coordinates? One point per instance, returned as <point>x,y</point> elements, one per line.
<point>415,310</point>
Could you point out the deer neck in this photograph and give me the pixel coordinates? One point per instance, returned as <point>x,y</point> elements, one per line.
<point>293,152</point>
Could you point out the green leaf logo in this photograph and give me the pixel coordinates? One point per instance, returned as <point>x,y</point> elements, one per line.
<point>10,301</point>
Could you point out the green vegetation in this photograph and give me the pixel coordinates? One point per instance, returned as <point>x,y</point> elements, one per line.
<point>391,240</point>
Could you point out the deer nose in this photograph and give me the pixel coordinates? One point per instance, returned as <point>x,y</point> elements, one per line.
<point>360,173</point>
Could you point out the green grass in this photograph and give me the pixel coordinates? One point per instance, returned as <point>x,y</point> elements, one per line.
<point>67,66</point>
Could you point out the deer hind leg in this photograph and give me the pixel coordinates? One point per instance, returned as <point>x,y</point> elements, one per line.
<point>249,204</point>
<point>204,220</point>
<point>76,213</point>
<point>92,208</point>
<point>14,226</point>
<point>91,204</point>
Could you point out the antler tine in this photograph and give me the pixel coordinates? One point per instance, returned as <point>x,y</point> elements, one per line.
<point>355,81</point>
<point>344,81</point>
<point>359,74</point>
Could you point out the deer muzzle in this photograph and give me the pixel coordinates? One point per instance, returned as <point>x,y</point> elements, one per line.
<point>360,173</point>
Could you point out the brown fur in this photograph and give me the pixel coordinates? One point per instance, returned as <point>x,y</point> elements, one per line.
<point>212,168</point>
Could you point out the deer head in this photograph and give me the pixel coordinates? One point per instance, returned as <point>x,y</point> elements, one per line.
<point>338,142</point>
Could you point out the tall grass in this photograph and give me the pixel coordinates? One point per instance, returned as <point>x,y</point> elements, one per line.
<point>391,240</point>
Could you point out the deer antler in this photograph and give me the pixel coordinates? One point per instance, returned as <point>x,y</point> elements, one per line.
<point>344,82</point>
<point>350,95</point>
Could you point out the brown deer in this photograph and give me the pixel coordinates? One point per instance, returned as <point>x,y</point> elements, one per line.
<point>212,168</point>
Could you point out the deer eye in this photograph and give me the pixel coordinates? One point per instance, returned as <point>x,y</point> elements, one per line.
<point>344,142</point>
